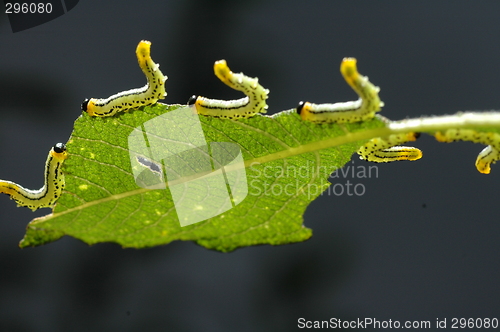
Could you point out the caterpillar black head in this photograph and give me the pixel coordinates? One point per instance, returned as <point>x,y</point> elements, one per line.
<point>85,103</point>
<point>59,148</point>
<point>192,100</point>
<point>58,152</point>
<point>299,107</point>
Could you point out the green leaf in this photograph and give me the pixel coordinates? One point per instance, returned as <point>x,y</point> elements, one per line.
<point>105,201</point>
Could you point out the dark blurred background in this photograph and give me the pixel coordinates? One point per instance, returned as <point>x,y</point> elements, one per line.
<point>420,244</point>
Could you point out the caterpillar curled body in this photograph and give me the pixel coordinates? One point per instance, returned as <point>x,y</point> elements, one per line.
<point>52,188</point>
<point>253,103</point>
<point>488,156</point>
<point>352,111</point>
<point>380,150</point>
<point>126,100</point>
<point>387,149</point>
